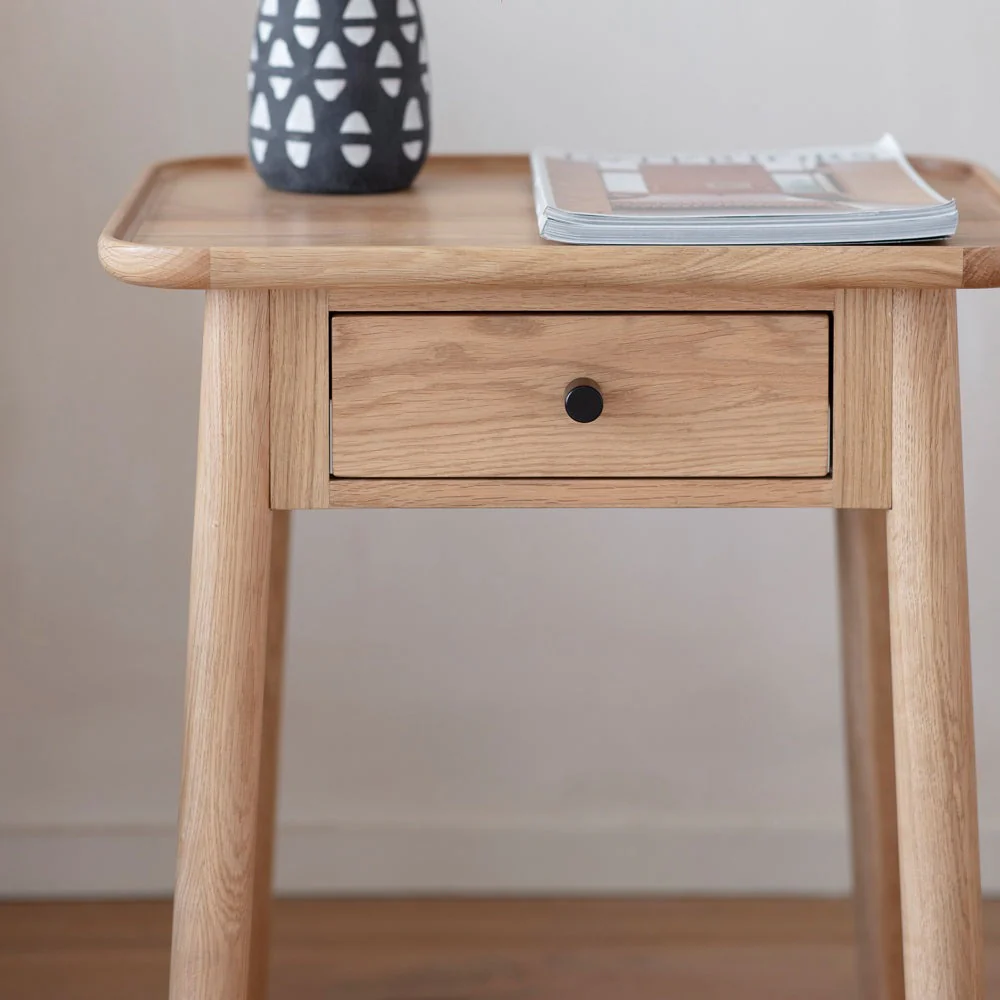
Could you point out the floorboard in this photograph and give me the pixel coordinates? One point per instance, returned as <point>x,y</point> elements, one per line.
<point>466,950</point>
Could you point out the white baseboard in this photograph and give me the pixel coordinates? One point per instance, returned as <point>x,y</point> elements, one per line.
<point>382,859</point>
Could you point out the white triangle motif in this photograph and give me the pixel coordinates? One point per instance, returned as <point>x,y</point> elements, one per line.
<point>264,29</point>
<point>280,85</point>
<point>298,152</point>
<point>330,90</point>
<point>410,30</point>
<point>259,147</point>
<point>360,10</point>
<point>359,36</point>
<point>269,8</point>
<point>251,80</point>
<point>280,56</point>
<point>413,120</point>
<point>330,57</point>
<point>307,35</point>
<point>406,8</point>
<point>356,124</point>
<point>356,154</point>
<point>413,150</point>
<point>388,57</point>
<point>254,50</point>
<point>301,117</point>
<point>307,9</point>
<point>260,117</point>
<point>392,85</point>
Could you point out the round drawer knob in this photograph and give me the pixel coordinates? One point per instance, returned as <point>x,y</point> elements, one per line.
<point>584,401</point>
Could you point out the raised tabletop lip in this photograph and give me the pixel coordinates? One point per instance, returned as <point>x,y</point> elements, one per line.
<point>371,268</point>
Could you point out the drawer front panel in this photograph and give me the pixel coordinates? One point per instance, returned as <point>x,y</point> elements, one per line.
<point>484,396</point>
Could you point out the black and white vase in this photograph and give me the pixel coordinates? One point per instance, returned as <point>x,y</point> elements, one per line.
<point>339,95</point>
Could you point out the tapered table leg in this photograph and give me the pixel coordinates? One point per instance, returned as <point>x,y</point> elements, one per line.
<point>260,941</point>
<point>213,910</point>
<point>932,680</point>
<point>864,590</point>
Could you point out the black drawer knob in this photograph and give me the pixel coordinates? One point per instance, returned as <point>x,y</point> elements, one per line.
<point>584,401</point>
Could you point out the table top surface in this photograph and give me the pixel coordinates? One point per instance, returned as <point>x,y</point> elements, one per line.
<point>470,221</point>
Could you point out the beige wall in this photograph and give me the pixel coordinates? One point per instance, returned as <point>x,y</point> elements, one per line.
<point>477,700</point>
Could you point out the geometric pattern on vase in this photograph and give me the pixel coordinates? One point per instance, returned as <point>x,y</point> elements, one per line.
<point>339,95</point>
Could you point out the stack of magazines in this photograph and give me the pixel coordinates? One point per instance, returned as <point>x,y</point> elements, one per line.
<point>847,194</point>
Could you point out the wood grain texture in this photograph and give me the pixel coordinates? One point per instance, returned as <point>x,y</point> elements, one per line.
<point>580,493</point>
<point>482,396</point>
<point>586,299</point>
<point>579,949</point>
<point>864,592</point>
<point>979,191</point>
<point>467,233</point>
<point>227,657</point>
<point>267,804</point>
<point>300,400</point>
<point>932,677</point>
<point>862,399</point>
<point>155,266</point>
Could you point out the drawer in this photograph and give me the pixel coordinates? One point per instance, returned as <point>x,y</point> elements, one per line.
<point>484,396</point>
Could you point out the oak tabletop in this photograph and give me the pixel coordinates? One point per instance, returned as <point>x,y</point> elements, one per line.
<point>470,222</point>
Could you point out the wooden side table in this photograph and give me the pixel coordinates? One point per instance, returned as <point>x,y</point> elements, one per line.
<point>427,349</point>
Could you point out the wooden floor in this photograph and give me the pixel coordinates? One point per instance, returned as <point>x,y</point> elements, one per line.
<point>466,950</point>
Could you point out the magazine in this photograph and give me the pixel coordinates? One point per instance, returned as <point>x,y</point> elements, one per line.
<point>843,194</point>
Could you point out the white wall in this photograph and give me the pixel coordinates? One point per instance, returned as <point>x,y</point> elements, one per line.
<point>476,700</point>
